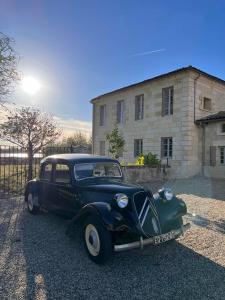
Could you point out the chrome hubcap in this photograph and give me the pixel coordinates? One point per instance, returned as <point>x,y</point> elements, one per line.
<point>30,202</point>
<point>92,239</point>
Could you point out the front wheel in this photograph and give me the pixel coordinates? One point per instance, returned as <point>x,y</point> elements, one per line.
<point>32,204</point>
<point>97,240</point>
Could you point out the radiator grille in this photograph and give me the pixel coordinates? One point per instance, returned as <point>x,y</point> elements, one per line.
<point>147,214</point>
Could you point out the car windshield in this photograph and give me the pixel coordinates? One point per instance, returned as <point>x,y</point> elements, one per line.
<point>99,169</point>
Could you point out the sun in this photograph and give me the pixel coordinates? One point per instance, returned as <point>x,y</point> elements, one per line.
<point>30,85</point>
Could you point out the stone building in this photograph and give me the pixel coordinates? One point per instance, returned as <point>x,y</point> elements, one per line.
<point>180,116</point>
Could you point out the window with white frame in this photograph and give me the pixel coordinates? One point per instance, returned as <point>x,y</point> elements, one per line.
<point>102,115</point>
<point>166,147</point>
<point>222,155</point>
<point>138,147</point>
<point>120,112</point>
<point>102,148</point>
<point>167,101</point>
<point>139,107</point>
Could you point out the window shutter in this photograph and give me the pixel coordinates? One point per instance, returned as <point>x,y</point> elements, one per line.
<point>162,148</point>
<point>163,102</point>
<point>136,108</point>
<point>123,111</point>
<point>100,119</point>
<point>212,156</point>
<point>135,147</point>
<point>171,100</point>
<point>142,107</point>
<point>102,115</point>
<point>141,147</point>
<point>170,141</point>
<point>118,111</point>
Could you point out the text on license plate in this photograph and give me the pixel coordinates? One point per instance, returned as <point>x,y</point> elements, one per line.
<point>164,238</point>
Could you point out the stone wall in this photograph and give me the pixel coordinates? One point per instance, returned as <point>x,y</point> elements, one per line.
<point>187,136</point>
<point>208,88</point>
<point>214,137</point>
<point>143,174</point>
<point>153,126</point>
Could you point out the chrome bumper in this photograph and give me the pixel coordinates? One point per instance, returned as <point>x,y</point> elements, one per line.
<point>140,244</point>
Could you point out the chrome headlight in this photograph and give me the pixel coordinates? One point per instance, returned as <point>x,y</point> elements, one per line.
<point>122,200</point>
<point>168,194</point>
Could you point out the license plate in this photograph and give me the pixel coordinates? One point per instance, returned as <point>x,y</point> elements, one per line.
<point>164,238</point>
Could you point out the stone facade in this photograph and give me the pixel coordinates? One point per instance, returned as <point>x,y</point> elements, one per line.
<point>214,140</point>
<point>142,174</point>
<point>190,87</point>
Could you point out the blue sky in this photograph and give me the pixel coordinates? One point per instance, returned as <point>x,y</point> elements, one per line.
<point>80,49</point>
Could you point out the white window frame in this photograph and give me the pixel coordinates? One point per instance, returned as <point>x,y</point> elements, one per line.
<point>121,117</point>
<point>168,150</point>
<point>140,100</point>
<point>139,146</point>
<point>102,119</point>
<point>168,103</point>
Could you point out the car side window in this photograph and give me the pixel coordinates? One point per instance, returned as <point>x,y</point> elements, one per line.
<point>62,173</point>
<point>46,172</point>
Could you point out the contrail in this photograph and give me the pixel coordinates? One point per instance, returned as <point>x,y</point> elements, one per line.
<point>147,52</point>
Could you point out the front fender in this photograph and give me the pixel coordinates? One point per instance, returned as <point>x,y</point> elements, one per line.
<point>170,213</point>
<point>111,218</point>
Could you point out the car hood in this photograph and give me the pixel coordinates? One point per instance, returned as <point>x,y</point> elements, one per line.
<point>110,186</point>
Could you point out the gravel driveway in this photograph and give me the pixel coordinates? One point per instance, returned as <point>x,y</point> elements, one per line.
<point>38,261</point>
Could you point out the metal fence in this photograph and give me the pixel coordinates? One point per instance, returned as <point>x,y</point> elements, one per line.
<point>14,166</point>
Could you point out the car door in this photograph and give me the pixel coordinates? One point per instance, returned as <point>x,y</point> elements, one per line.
<point>47,188</point>
<point>66,199</point>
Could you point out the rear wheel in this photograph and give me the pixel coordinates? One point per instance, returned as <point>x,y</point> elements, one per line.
<point>32,204</point>
<point>97,240</point>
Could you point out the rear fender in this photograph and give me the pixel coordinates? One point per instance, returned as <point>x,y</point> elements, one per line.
<point>32,186</point>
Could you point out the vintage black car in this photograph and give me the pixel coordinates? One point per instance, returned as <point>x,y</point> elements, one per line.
<point>115,215</point>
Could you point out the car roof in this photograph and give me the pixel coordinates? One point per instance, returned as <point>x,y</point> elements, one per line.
<point>74,158</point>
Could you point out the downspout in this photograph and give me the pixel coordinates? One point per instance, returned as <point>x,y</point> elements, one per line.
<point>195,83</point>
<point>93,127</point>
<point>203,148</point>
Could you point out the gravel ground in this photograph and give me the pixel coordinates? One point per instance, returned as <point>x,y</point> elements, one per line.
<point>38,261</point>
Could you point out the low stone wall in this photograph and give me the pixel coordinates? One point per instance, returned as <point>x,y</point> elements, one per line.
<point>141,174</point>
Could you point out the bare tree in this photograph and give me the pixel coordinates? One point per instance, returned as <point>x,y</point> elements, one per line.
<point>30,129</point>
<point>9,75</point>
<point>79,138</point>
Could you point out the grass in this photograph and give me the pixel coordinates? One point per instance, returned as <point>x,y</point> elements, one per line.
<point>13,177</point>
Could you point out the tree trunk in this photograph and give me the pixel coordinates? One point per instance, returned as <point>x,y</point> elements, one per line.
<point>30,163</point>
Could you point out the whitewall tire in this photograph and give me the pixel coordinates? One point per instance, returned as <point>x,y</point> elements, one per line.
<point>97,240</point>
<point>32,203</point>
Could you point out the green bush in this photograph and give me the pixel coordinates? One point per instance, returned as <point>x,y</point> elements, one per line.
<point>148,160</point>
<point>151,160</point>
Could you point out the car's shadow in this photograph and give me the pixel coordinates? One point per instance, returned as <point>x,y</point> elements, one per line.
<point>215,225</point>
<point>57,267</point>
